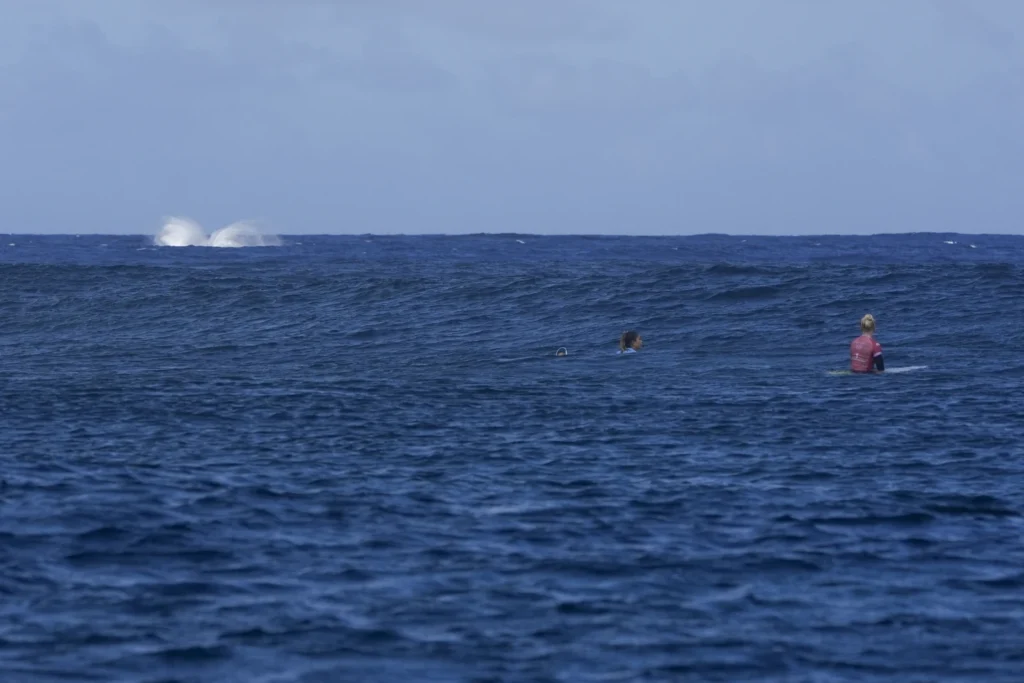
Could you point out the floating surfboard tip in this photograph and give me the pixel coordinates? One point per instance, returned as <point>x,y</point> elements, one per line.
<point>888,371</point>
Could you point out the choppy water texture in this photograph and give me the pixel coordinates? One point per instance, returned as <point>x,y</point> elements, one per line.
<point>358,459</point>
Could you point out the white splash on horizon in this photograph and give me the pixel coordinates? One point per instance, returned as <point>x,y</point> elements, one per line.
<point>185,232</point>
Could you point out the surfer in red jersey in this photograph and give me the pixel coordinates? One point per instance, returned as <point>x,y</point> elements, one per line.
<point>865,352</point>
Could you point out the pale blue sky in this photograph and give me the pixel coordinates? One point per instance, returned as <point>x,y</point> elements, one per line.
<point>537,116</point>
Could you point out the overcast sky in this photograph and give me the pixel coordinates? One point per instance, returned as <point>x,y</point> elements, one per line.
<point>536,116</point>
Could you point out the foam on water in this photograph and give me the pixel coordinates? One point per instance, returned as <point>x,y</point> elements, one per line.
<point>185,232</point>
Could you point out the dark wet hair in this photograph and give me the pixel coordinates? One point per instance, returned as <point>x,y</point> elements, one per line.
<point>627,339</point>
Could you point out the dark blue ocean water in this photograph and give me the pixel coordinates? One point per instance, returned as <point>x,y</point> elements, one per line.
<point>358,459</point>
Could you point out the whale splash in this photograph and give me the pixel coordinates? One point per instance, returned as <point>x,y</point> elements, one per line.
<point>185,232</point>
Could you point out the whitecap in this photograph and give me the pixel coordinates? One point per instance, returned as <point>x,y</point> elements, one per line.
<point>184,232</point>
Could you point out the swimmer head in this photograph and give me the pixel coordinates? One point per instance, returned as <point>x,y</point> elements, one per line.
<point>867,324</point>
<point>630,340</point>
<point>562,352</point>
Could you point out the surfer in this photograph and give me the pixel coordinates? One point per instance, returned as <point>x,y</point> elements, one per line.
<point>865,352</point>
<point>630,342</point>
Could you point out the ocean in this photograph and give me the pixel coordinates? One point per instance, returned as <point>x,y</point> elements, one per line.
<point>358,458</point>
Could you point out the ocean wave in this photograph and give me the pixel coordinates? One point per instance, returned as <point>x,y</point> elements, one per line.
<point>362,455</point>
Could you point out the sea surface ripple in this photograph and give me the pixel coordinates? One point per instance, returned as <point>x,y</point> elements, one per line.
<point>358,459</point>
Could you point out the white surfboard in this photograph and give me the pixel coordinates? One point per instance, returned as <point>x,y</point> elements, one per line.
<point>888,371</point>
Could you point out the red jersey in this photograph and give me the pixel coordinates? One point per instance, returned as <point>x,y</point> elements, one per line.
<point>863,351</point>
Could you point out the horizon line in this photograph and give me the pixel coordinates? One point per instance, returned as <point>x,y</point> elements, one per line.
<point>529,234</point>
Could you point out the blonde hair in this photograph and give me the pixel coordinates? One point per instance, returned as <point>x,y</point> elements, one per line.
<point>867,324</point>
